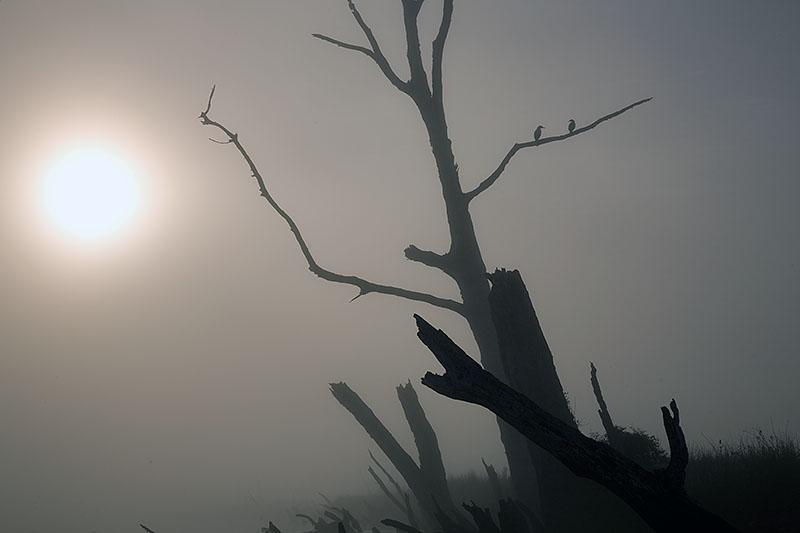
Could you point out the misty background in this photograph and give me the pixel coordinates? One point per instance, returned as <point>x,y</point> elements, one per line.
<point>178,377</point>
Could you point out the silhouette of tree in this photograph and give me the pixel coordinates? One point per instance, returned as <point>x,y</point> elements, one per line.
<point>462,261</point>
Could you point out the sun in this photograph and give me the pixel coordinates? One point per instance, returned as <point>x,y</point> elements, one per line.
<point>90,194</point>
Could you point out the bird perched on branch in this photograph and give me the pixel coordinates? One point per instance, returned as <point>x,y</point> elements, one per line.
<point>537,133</point>
<point>571,125</point>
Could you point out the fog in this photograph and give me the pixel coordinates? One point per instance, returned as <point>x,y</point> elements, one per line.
<point>178,376</point>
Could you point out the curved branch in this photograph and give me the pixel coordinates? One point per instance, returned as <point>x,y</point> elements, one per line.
<point>485,184</point>
<point>374,52</point>
<point>364,286</point>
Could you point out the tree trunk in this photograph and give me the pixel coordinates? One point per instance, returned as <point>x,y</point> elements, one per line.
<point>529,367</point>
<point>658,497</point>
<point>433,496</point>
<point>464,263</point>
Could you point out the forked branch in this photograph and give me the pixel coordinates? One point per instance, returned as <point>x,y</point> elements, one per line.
<point>364,286</point>
<point>419,79</point>
<point>489,181</point>
<point>374,52</point>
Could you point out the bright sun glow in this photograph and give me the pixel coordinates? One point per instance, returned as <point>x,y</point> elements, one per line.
<point>89,194</point>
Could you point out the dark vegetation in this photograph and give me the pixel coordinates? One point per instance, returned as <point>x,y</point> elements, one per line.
<point>559,480</point>
<point>754,483</point>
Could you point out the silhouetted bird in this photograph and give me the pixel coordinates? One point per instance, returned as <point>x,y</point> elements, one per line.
<point>571,125</point>
<point>537,133</point>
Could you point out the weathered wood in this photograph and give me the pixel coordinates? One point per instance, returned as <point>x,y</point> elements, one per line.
<point>658,497</point>
<point>434,503</point>
<point>524,351</point>
<point>612,431</point>
<point>430,457</point>
<point>401,460</point>
<point>482,517</point>
<point>529,368</point>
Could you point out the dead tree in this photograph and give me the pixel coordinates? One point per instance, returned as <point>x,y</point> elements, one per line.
<point>612,431</point>
<point>657,496</point>
<point>428,480</point>
<point>529,368</point>
<point>634,443</point>
<point>462,261</point>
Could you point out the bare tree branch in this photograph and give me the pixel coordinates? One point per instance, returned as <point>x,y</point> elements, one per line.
<point>364,286</point>
<point>427,258</point>
<point>612,432</point>
<point>342,44</point>
<point>438,53</point>
<point>485,184</point>
<point>374,52</point>
<point>419,79</point>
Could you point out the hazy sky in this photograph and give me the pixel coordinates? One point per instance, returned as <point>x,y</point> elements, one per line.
<point>177,375</point>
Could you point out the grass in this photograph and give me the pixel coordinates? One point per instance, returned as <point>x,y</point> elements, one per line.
<point>753,483</point>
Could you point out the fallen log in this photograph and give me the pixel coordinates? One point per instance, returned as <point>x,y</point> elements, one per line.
<point>658,497</point>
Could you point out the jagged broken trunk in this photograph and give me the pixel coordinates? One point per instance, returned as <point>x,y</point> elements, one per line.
<point>426,480</point>
<point>529,368</point>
